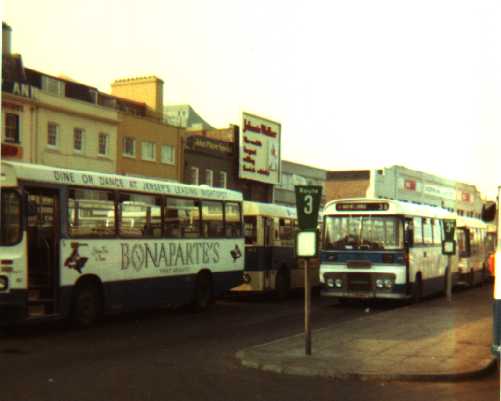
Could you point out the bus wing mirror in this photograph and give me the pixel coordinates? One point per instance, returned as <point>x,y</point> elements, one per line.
<point>489,211</point>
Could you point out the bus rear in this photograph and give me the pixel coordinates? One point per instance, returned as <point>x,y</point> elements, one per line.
<point>13,283</point>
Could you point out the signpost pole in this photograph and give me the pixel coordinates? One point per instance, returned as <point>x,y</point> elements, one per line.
<point>449,249</point>
<point>307,206</point>
<point>307,309</point>
<point>449,278</point>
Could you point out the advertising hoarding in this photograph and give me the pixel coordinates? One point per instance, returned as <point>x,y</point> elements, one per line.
<point>259,149</point>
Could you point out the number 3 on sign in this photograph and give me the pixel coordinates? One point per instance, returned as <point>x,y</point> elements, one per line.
<point>308,204</point>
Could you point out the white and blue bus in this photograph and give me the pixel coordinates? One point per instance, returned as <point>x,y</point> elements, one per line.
<point>472,252</point>
<point>79,244</point>
<point>379,248</point>
<point>270,261</point>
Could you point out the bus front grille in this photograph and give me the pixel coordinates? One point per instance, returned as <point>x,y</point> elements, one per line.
<point>359,282</point>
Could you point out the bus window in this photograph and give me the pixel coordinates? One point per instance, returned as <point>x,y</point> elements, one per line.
<point>463,242</point>
<point>140,216</point>
<point>233,218</point>
<point>286,230</point>
<point>212,219</point>
<point>250,230</point>
<point>182,218</point>
<point>427,231</point>
<point>10,217</point>
<point>418,230</point>
<point>91,213</point>
<point>437,232</point>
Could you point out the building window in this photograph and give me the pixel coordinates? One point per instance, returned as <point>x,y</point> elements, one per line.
<point>194,175</point>
<point>168,155</point>
<point>148,151</point>
<point>12,128</point>
<point>78,140</point>
<point>129,146</point>
<point>223,179</point>
<point>104,140</point>
<point>209,177</point>
<point>53,135</point>
<point>53,86</point>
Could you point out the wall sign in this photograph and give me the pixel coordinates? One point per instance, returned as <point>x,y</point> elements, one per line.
<point>259,149</point>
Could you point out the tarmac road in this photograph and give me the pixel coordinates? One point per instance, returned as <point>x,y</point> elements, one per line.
<point>177,355</point>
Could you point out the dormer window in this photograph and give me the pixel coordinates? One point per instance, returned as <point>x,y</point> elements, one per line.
<point>53,86</point>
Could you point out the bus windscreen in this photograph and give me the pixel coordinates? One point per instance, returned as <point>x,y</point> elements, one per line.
<point>363,233</point>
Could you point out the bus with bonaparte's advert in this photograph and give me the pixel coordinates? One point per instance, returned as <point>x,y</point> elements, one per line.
<point>77,244</point>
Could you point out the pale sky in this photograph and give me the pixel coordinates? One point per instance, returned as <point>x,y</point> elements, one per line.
<point>356,84</point>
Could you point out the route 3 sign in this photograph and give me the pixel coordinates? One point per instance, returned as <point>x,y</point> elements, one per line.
<point>307,206</point>
<point>449,244</point>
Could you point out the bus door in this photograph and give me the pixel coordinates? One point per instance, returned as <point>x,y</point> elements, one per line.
<point>43,250</point>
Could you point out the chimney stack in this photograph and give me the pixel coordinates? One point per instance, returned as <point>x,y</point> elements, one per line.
<point>6,38</point>
<point>148,90</point>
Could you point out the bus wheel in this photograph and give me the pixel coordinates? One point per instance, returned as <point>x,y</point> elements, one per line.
<point>87,306</point>
<point>203,297</point>
<point>417,290</point>
<point>282,284</point>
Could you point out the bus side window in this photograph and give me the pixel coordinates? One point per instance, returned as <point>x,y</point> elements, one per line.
<point>232,219</point>
<point>437,232</point>
<point>182,218</point>
<point>91,213</point>
<point>418,230</point>
<point>250,230</point>
<point>140,215</point>
<point>212,219</point>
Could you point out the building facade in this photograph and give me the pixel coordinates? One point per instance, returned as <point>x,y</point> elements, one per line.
<point>56,122</point>
<point>147,146</point>
<point>297,174</point>
<point>208,161</point>
<point>211,158</point>
<point>401,183</point>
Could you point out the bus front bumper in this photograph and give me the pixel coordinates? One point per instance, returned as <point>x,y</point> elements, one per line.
<point>329,292</point>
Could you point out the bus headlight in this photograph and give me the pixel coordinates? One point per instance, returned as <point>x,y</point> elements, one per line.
<point>379,283</point>
<point>4,283</point>
<point>338,283</point>
<point>388,283</point>
<point>330,282</point>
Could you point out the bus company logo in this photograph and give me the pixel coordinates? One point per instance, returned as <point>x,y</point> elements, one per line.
<point>236,253</point>
<point>75,261</point>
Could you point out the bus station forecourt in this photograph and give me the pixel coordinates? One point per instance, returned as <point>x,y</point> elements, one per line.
<point>431,341</point>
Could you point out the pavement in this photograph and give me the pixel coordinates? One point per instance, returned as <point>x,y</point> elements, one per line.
<point>431,341</point>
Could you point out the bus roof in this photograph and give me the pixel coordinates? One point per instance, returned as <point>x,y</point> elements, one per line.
<point>363,206</point>
<point>470,222</point>
<point>90,179</point>
<point>269,210</point>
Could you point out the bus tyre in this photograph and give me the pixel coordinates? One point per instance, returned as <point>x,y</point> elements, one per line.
<point>417,290</point>
<point>87,306</point>
<point>203,296</point>
<point>282,285</point>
